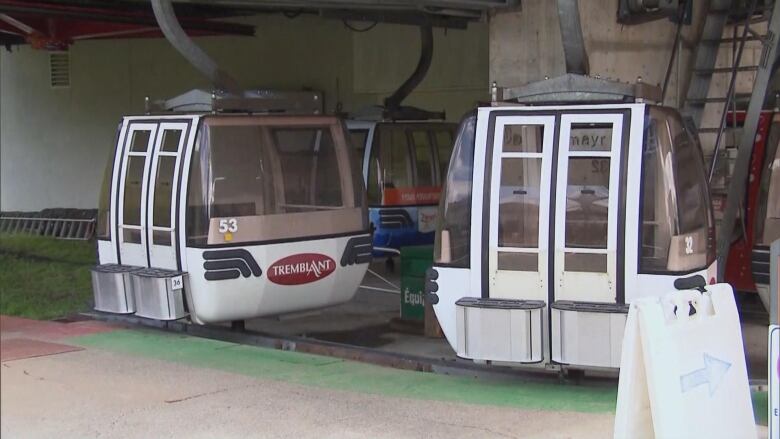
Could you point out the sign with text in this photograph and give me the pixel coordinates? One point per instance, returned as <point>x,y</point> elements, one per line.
<point>411,196</point>
<point>590,137</point>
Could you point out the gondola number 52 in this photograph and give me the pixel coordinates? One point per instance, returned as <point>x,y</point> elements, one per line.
<point>228,225</point>
<point>689,245</point>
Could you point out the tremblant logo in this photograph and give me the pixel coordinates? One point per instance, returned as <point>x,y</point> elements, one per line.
<point>301,269</point>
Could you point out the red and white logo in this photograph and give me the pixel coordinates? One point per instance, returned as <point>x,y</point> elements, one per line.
<point>301,269</point>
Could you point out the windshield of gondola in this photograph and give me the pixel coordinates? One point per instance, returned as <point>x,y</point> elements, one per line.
<point>677,223</point>
<point>261,178</point>
<point>453,234</point>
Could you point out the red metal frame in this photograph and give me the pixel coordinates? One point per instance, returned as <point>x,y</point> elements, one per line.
<point>57,25</point>
<point>738,272</point>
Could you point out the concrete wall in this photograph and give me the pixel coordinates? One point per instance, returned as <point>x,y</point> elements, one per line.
<point>525,46</point>
<point>54,143</point>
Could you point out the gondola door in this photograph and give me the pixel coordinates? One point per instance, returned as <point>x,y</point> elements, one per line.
<point>134,175</point>
<point>586,210</point>
<point>160,217</point>
<point>520,207</point>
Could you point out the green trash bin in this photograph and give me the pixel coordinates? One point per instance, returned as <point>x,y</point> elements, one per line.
<point>415,261</point>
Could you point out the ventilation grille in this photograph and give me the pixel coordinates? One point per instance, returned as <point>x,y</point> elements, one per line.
<point>59,69</point>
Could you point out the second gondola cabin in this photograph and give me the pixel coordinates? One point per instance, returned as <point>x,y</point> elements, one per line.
<point>404,163</point>
<point>562,204</point>
<point>228,208</point>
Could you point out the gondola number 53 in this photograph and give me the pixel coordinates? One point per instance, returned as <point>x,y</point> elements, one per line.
<point>228,225</point>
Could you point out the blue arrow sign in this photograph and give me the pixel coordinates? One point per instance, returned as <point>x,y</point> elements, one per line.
<point>711,374</point>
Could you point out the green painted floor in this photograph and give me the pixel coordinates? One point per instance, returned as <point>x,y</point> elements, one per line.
<point>340,374</point>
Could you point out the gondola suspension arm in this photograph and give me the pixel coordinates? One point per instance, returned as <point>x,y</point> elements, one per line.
<point>170,27</point>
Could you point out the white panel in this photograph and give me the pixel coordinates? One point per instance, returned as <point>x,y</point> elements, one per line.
<point>500,334</point>
<point>461,331</point>
<point>244,298</point>
<point>519,336</point>
<point>106,252</point>
<point>454,284</point>
<point>617,329</point>
<point>588,338</point>
<point>633,182</point>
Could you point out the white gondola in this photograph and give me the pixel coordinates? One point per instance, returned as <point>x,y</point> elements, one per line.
<point>562,205</point>
<point>229,209</point>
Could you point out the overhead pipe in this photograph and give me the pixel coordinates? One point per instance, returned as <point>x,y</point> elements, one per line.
<point>393,102</point>
<point>170,27</point>
<point>571,34</point>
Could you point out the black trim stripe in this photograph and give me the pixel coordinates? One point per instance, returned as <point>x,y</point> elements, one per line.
<point>551,226</point>
<point>357,251</point>
<point>151,153</point>
<point>620,281</point>
<point>222,275</point>
<point>394,218</point>
<point>214,257</point>
<point>226,264</point>
<point>486,189</point>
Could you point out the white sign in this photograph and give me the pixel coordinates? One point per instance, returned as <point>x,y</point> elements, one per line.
<point>774,382</point>
<point>683,371</point>
<point>177,283</point>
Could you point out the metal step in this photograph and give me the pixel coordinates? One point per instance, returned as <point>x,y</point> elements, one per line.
<point>706,56</point>
<point>725,70</point>
<point>719,41</point>
<point>701,101</point>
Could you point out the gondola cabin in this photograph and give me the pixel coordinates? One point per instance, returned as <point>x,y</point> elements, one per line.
<point>559,209</point>
<point>745,245</point>
<point>229,209</point>
<point>404,164</point>
<point>767,218</point>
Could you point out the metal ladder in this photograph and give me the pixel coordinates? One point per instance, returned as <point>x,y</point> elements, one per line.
<point>61,228</point>
<point>698,93</point>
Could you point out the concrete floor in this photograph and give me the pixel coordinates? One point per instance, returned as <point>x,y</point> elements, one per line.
<point>95,393</point>
<point>102,392</point>
<point>89,379</point>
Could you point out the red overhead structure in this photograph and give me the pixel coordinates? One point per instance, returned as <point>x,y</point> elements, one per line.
<point>55,25</point>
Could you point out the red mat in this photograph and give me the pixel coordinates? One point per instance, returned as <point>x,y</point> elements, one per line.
<point>49,329</point>
<point>19,348</point>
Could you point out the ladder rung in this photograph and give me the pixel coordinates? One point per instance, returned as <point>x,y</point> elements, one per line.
<point>725,70</point>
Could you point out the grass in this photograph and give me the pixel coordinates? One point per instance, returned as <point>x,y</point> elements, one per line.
<point>44,278</point>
